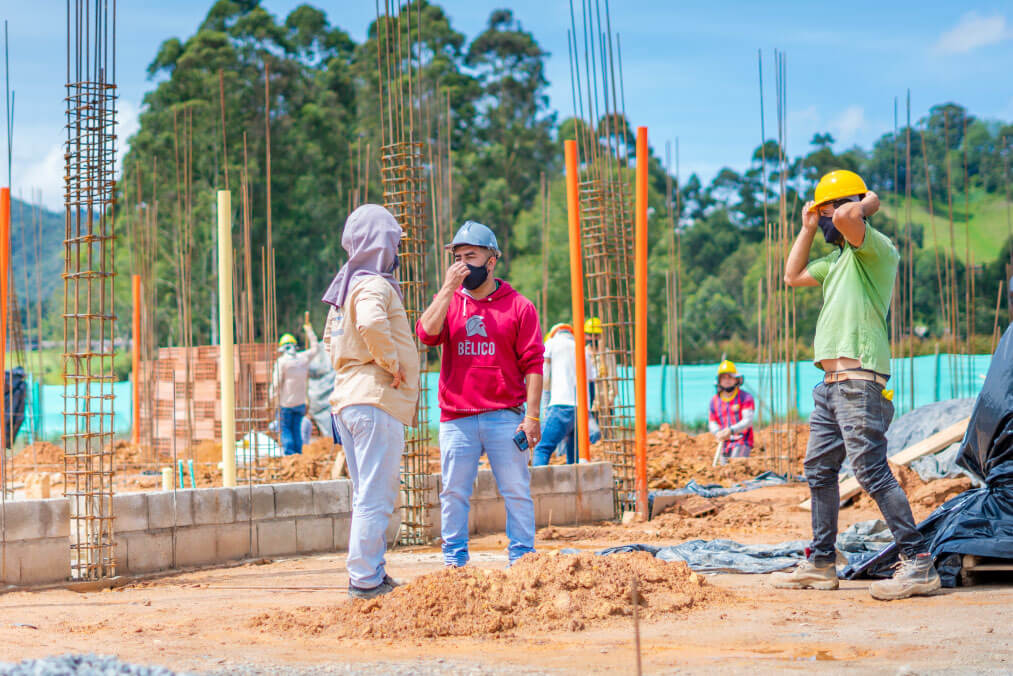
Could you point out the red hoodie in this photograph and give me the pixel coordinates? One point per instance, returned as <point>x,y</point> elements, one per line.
<point>489,346</point>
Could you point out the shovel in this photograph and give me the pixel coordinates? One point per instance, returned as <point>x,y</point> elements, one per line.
<point>717,453</point>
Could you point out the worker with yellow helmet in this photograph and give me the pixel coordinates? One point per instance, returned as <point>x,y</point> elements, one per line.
<point>731,416</point>
<point>852,409</point>
<point>288,382</point>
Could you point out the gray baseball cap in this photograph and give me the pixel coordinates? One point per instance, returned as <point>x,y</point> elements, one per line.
<point>475,234</point>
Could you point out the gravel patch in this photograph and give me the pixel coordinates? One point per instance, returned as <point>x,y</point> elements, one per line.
<point>80,665</point>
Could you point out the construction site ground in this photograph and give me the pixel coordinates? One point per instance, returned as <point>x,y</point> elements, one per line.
<point>254,618</point>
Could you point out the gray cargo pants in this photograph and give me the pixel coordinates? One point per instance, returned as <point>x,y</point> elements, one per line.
<point>850,418</point>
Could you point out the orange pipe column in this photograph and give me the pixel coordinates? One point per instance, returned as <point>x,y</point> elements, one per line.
<point>640,323</point>
<point>136,362</point>
<point>5,264</point>
<point>577,297</point>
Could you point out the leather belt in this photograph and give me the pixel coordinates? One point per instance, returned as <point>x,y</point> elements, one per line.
<point>839,376</point>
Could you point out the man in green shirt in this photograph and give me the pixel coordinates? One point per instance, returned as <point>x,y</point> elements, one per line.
<point>852,412</point>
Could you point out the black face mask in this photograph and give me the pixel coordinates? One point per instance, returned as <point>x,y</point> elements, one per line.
<point>831,234</point>
<point>476,277</point>
<point>727,389</point>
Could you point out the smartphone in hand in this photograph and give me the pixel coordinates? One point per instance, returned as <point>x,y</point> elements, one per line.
<point>521,441</point>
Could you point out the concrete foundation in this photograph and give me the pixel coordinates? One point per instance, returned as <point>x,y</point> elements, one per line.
<point>211,526</point>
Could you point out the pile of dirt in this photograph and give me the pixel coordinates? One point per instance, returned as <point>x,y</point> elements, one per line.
<point>540,592</point>
<point>674,457</point>
<point>730,516</point>
<point>41,452</point>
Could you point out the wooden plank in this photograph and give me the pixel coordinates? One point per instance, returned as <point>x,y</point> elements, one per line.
<point>932,444</point>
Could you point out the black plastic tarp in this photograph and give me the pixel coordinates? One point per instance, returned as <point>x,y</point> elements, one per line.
<point>978,521</point>
<point>15,390</point>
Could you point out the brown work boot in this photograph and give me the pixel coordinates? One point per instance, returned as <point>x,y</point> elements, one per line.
<point>913,577</point>
<point>808,575</point>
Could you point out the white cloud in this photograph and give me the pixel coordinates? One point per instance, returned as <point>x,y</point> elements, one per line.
<point>973,31</point>
<point>46,173</point>
<point>846,126</point>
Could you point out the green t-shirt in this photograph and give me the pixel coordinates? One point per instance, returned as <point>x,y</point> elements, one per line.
<point>857,286</point>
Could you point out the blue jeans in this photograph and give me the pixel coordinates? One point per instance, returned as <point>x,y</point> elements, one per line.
<point>290,426</point>
<point>373,442</point>
<point>462,443</point>
<point>560,427</point>
<point>850,418</point>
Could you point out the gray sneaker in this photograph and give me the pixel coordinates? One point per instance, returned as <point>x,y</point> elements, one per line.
<point>391,581</point>
<point>379,590</point>
<point>808,575</point>
<point>913,577</point>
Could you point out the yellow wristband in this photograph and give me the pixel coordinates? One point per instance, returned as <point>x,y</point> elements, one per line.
<point>533,418</point>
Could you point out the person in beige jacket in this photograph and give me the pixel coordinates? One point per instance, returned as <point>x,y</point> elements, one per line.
<point>376,385</point>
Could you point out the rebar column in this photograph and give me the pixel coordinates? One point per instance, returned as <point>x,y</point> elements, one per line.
<point>404,196</point>
<point>88,314</point>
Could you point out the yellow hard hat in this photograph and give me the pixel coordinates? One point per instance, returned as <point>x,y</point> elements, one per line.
<point>592,326</point>
<point>727,367</point>
<point>838,184</point>
<point>287,339</point>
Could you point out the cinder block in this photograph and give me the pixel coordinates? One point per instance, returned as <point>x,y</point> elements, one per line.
<point>293,499</point>
<point>58,519</point>
<point>485,486</point>
<point>161,510</point>
<point>196,545</point>
<point>342,530</point>
<point>541,480</point>
<point>25,520</point>
<point>263,503</point>
<point>145,552</point>
<point>595,475</point>
<point>564,478</point>
<point>555,509</point>
<point>599,505</point>
<point>233,541</point>
<point>276,537</point>
<point>332,497</point>
<point>487,516</point>
<point>39,561</point>
<point>314,534</point>
<point>214,506</point>
<point>131,512</point>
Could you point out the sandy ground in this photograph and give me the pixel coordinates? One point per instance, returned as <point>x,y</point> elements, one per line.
<point>206,620</point>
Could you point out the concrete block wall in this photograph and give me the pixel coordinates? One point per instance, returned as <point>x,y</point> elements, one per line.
<point>206,526</point>
<point>37,550</point>
<point>209,526</point>
<point>564,495</point>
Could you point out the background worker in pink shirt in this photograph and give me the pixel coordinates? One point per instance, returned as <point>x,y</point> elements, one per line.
<point>490,389</point>
<point>731,414</point>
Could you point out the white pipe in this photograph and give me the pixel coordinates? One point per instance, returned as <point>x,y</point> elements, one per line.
<point>227,345</point>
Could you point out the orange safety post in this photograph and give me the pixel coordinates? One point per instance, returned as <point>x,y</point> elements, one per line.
<point>136,362</point>
<point>5,264</point>
<point>640,323</point>
<point>577,297</point>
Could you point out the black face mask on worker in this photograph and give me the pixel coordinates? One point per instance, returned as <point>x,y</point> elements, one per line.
<point>727,390</point>
<point>830,233</point>
<point>476,276</point>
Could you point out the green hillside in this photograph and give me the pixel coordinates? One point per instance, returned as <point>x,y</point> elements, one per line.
<point>988,225</point>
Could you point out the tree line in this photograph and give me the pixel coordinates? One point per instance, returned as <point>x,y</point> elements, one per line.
<point>324,115</point>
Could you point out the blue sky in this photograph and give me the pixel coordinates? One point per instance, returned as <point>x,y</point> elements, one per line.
<point>690,68</point>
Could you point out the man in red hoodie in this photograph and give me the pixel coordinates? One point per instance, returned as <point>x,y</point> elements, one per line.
<point>491,370</point>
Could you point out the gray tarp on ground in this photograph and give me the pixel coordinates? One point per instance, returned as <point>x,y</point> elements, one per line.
<point>858,542</point>
<point>318,395</point>
<point>716,490</point>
